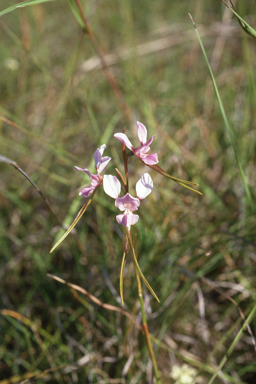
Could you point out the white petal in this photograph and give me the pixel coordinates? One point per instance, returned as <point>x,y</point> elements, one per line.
<point>144,186</point>
<point>111,186</point>
<point>142,132</point>
<point>124,139</point>
<point>127,219</point>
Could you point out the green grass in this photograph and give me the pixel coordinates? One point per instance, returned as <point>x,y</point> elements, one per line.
<point>197,252</point>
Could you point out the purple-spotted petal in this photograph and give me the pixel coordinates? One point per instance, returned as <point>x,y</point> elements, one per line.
<point>144,186</point>
<point>142,132</point>
<point>98,155</point>
<point>85,170</point>
<point>127,202</point>
<point>111,186</point>
<point>124,139</point>
<point>150,159</point>
<point>127,219</point>
<point>103,163</point>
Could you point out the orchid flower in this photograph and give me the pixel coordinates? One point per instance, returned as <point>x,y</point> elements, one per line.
<point>140,152</point>
<point>96,181</point>
<point>127,203</point>
<point>151,160</point>
<point>100,164</point>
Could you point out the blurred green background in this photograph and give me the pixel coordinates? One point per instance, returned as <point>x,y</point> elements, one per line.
<point>197,252</point>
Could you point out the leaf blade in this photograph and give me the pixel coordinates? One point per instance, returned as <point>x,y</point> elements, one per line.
<point>77,218</point>
<point>138,267</point>
<point>22,5</point>
<point>122,277</point>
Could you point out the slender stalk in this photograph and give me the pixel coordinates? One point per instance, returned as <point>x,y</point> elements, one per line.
<point>121,177</point>
<point>144,319</point>
<point>122,278</point>
<point>224,116</point>
<point>134,257</point>
<point>126,250</point>
<point>127,111</point>
<point>78,217</point>
<point>126,186</point>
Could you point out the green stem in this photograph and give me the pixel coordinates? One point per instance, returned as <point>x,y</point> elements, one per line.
<point>144,319</point>
<point>231,348</point>
<point>230,132</point>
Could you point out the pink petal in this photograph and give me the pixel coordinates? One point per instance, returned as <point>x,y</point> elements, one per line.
<point>127,219</point>
<point>96,180</point>
<point>142,133</point>
<point>98,154</point>
<point>140,151</point>
<point>86,191</point>
<point>149,142</point>
<point>144,186</point>
<point>111,186</point>
<point>127,202</point>
<point>124,139</point>
<point>103,163</point>
<point>150,159</point>
<point>85,170</point>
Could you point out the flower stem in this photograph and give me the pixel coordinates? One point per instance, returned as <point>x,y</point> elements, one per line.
<point>144,319</point>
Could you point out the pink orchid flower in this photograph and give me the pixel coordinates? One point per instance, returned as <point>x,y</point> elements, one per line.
<point>100,164</point>
<point>140,152</point>
<point>127,203</point>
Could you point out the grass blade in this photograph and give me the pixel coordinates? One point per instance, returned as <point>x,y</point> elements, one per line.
<point>65,155</point>
<point>122,277</point>
<point>22,5</point>
<point>230,350</point>
<point>78,217</point>
<point>76,13</point>
<point>245,26</point>
<point>231,135</point>
<point>16,166</point>
<point>183,183</point>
